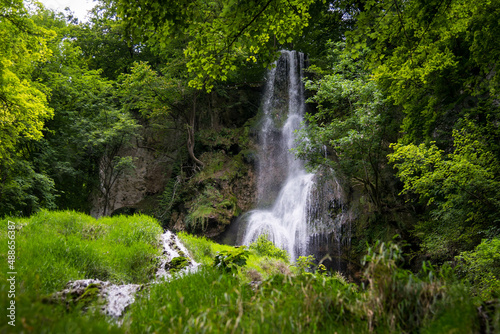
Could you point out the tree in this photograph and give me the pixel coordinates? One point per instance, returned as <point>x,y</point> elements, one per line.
<point>89,130</point>
<point>219,34</point>
<point>105,43</point>
<point>460,189</point>
<point>23,103</point>
<point>437,61</point>
<point>83,140</point>
<point>162,95</point>
<point>23,110</point>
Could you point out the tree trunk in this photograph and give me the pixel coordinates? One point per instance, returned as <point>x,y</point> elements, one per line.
<point>190,129</point>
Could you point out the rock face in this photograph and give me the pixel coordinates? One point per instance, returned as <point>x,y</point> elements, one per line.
<point>216,196</point>
<point>147,179</point>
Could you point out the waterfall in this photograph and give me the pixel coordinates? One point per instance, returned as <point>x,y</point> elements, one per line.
<point>289,209</point>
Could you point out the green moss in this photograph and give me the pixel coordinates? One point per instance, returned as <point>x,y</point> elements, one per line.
<point>220,166</point>
<point>177,264</point>
<point>90,294</point>
<point>211,204</point>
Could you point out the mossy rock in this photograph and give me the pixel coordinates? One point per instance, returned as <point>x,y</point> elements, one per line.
<point>177,263</point>
<point>90,294</point>
<point>82,297</point>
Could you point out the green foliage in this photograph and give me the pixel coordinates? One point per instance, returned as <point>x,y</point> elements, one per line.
<point>78,155</point>
<point>221,139</point>
<point>55,247</point>
<point>24,188</point>
<point>204,251</point>
<point>350,129</point>
<point>481,268</point>
<point>89,127</point>
<point>231,260</point>
<point>25,191</point>
<point>430,58</point>
<point>220,35</point>
<point>303,264</point>
<point>460,188</point>
<point>433,60</point>
<point>148,92</point>
<point>23,101</point>
<point>105,44</point>
<point>329,23</point>
<point>265,247</point>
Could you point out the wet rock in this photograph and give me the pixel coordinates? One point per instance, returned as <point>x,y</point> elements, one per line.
<point>174,252</point>
<point>116,298</point>
<point>119,297</point>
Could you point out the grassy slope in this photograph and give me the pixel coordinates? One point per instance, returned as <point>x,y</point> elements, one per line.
<point>54,247</point>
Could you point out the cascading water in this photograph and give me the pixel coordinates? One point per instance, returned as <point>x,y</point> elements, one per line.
<point>289,209</point>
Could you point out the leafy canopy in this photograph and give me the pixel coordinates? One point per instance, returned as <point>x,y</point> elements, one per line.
<point>23,103</point>
<point>220,35</point>
<point>430,56</point>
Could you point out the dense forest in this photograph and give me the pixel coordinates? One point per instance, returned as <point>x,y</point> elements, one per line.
<point>145,117</point>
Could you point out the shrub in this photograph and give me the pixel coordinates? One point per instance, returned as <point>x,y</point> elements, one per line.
<point>304,263</point>
<point>264,247</point>
<point>481,268</point>
<point>231,260</point>
<point>399,301</point>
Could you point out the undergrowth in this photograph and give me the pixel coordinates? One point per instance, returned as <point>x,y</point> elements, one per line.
<point>261,262</point>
